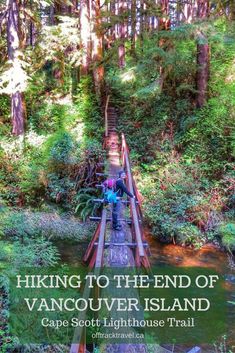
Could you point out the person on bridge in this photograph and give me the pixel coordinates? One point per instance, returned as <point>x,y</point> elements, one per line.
<point>120,189</point>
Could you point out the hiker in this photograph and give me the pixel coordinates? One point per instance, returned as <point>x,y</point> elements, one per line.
<point>114,190</point>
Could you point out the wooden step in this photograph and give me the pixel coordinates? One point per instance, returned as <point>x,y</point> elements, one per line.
<point>122,244</point>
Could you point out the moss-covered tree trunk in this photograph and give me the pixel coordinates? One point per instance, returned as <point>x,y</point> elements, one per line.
<point>203,61</point>
<point>13,44</point>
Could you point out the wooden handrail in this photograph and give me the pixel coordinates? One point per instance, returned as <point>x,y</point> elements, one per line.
<point>78,346</point>
<point>125,156</point>
<point>106,116</point>
<point>100,249</point>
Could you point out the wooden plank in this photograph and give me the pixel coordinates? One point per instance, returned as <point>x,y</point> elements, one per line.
<point>102,201</point>
<point>195,349</point>
<point>94,218</point>
<point>121,244</point>
<point>100,250</point>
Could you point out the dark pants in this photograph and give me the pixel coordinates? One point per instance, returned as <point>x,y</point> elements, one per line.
<point>116,213</point>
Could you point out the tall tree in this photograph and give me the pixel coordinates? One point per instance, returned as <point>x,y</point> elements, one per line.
<point>203,57</point>
<point>97,46</point>
<point>133,25</point>
<point>13,44</point>
<point>121,47</point>
<point>85,33</point>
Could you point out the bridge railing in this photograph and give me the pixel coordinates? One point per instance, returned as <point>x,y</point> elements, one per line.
<point>106,115</point>
<point>134,208</point>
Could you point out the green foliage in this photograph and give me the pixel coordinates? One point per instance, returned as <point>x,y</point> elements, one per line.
<point>5,123</point>
<point>60,147</point>
<point>85,205</point>
<point>227,232</point>
<point>49,117</point>
<point>36,252</point>
<point>89,109</point>
<point>183,156</point>
<point>21,225</point>
<point>52,170</point>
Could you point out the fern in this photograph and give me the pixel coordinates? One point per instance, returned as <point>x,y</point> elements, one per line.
<point>85,203</point>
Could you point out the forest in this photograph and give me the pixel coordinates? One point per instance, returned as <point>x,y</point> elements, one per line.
<point>168,67</point>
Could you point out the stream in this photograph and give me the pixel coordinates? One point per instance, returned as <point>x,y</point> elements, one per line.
<point>208,256</point>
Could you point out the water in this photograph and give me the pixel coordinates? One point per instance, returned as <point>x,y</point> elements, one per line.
<point>208,256</point>
<point>71,253</point>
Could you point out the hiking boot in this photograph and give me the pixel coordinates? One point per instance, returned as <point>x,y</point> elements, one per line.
<point>119,227</point>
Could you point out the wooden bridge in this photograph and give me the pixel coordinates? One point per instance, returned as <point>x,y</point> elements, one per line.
<point>130,240</point>
<point>112,248</point>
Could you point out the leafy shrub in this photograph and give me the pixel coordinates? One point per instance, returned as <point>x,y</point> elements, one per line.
<point>39,252</point>
<point>32,252</point>
<point>188,234</point>
<point>5,122</point>
<point>85,205</point>
<point>89,109</point>
<point>227,232</point>
<point>179,205</point>
<point>54,170</point>
<point>50,117</point>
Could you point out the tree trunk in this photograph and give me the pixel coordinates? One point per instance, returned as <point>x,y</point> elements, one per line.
<point>203,60</point>
<point>141,24</point>
<point>203,8</point>
<point>121,48</point>
<point>13,44</point>
<point>97,47</point>
<point>52,15</point>
<point>232,10</point>
<point>85,36</point>
<point>73,8</point>
<point>22,26</point>
<point>113,30</point>
<point>164,22</point>
<point>17,112</point>
<point>133,26</point>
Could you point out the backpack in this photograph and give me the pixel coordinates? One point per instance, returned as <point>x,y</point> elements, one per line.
<point>110,196</point>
